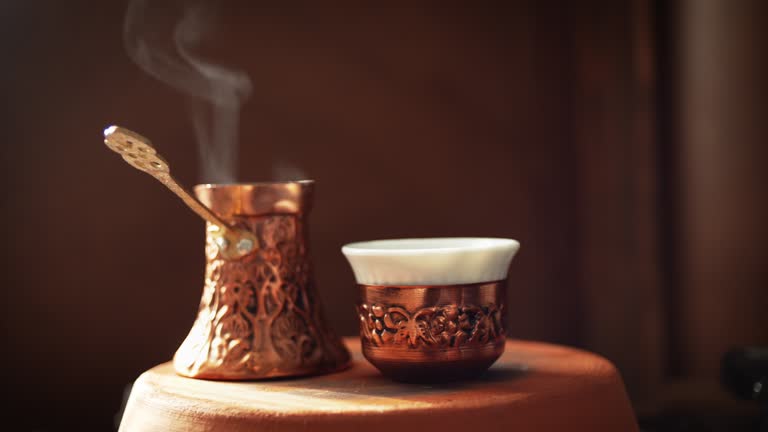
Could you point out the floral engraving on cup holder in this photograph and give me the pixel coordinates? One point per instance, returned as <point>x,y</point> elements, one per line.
<point>446,326</point>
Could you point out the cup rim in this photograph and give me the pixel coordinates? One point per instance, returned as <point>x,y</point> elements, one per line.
<point>256,199</point>
<point>430,261</point>
<point>421,246</point>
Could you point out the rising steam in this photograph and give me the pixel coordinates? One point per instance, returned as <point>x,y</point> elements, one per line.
<point>216,93</point>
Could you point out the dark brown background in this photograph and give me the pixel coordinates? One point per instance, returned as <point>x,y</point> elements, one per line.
<point>623,144</point>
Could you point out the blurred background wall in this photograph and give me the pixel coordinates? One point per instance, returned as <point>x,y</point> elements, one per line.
<point>623,143</point>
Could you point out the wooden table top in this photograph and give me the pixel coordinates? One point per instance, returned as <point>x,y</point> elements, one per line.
<point>533,386</point>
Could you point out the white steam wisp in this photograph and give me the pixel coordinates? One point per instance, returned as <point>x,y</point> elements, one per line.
<point>216,92</point>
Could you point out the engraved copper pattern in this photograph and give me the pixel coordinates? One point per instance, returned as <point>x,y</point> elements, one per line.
<point>444,326</point>
<point>432,333</point>
<point>258,315</point>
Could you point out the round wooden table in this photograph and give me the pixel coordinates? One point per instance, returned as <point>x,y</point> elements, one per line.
<point>532,387</point>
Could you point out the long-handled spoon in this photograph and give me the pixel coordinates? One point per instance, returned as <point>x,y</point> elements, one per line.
<point>140,154</point>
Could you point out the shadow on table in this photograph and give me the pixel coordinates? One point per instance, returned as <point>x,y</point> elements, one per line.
<point>366,382</point>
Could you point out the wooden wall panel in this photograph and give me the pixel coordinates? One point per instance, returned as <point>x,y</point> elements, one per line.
<point>614,126</point>
<point>723,236</point>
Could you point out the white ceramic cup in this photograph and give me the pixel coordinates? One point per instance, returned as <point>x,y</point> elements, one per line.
<point>431,261</point>
<point>432,309</point>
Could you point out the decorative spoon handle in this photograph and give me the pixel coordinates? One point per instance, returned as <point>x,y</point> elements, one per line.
<point>140,154</point>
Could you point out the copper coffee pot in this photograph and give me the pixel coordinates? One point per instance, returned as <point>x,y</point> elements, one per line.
<point>259,316</point>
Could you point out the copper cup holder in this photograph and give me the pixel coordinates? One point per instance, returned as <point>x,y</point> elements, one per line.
<point>432,333</point>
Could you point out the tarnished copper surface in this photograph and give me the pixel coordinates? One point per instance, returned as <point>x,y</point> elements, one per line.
<point>259,316</point>
<point>432,333</point>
